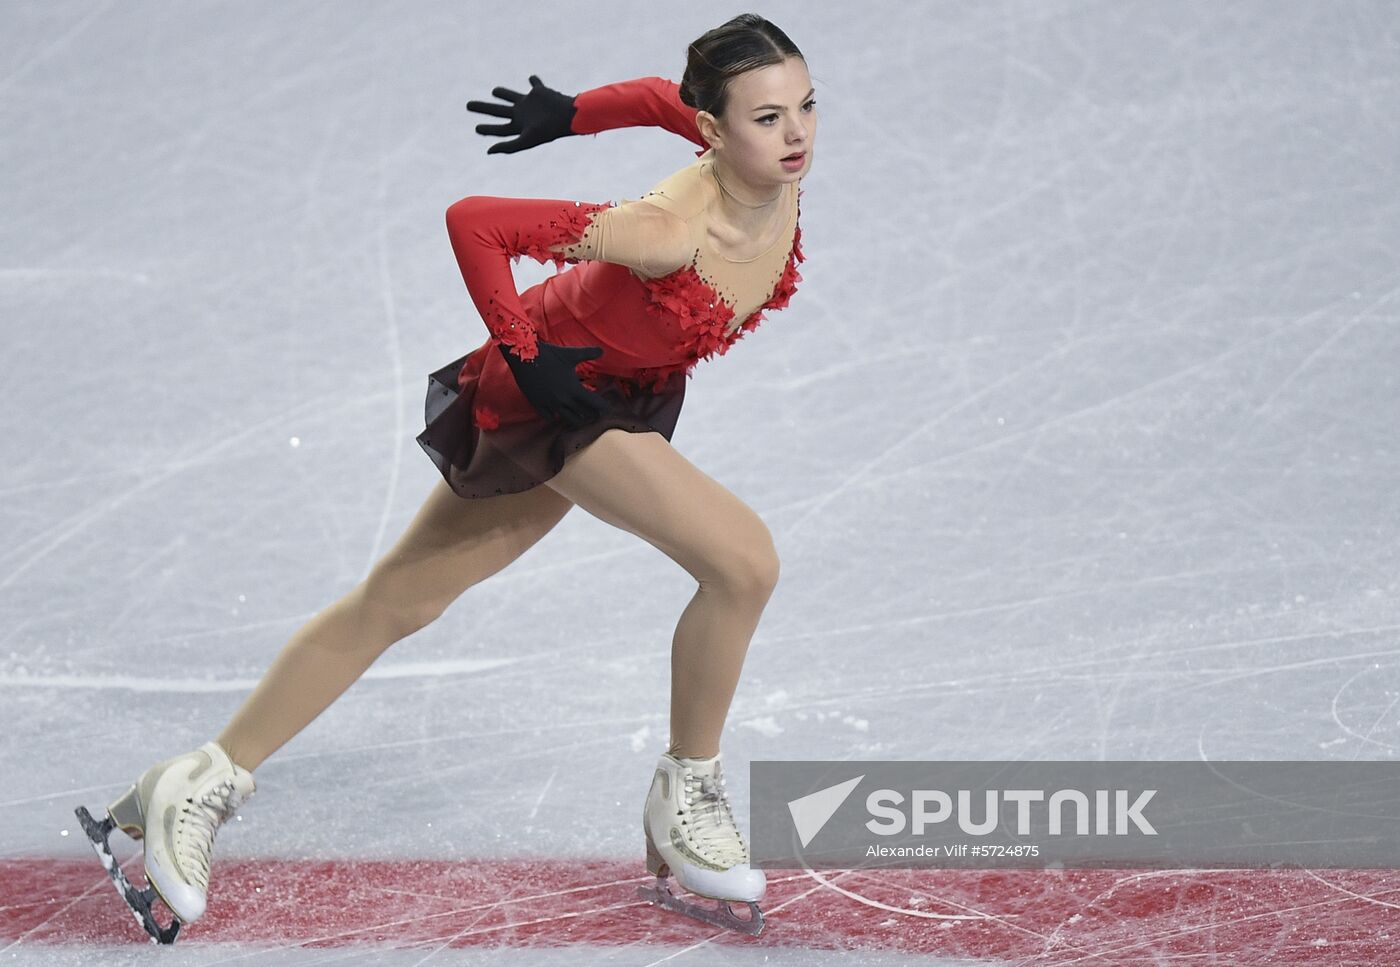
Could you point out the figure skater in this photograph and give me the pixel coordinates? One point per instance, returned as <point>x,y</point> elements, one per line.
<point>571,401</point>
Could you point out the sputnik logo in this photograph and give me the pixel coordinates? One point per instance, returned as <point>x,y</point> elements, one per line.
<point>810,812</point>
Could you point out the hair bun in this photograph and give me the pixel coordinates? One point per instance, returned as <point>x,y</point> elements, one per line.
<point>741,44</point>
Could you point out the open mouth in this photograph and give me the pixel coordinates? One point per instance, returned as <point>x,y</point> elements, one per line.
<point>794,157</point>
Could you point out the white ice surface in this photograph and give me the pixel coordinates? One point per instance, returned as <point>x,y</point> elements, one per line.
<point>1078,440</point>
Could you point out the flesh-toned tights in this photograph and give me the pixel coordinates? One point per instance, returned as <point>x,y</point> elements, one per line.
<point>635,481</point>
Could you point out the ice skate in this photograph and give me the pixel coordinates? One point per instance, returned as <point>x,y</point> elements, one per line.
<point>691,833</point>
<point>184,801</point>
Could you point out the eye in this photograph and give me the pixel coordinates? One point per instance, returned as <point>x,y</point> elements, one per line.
<point>806,107</point>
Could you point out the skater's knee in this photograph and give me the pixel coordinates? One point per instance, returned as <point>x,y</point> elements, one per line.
<point>758,571</point>
<point>748,567</point>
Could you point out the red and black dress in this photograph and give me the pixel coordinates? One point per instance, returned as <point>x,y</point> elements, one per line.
<point>482,433</point>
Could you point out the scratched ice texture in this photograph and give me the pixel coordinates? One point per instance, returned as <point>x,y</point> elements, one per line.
<point>1077,442</point>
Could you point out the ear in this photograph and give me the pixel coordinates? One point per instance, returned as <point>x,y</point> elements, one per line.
<point>708,125</point>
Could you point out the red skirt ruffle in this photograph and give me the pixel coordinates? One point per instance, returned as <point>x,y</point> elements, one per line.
<point>512,457</point>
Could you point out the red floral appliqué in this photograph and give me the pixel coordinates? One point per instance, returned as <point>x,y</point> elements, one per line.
<point>485,417</point>
<point>705,317</point>
<point>588,373</point>
<point>566,232</point>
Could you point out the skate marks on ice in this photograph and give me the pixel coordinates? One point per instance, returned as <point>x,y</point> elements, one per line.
<point>1024,916</point>
<point>138,683</point>
<point>717,913</point>
<point>1121,277</point>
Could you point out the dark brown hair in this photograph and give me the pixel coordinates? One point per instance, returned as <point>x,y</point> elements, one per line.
<point>736,46</point>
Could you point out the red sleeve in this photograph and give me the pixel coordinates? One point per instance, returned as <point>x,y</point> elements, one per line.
<point>487,232</point>
<point>649,101</point>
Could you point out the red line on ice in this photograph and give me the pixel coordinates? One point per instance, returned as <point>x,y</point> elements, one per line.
<point>1046,917</point>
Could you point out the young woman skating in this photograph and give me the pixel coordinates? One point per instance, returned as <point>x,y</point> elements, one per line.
<point>571,401</point>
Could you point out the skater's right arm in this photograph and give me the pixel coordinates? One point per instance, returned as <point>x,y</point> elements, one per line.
<point>649,240</point>
<point>488,231</point>
<point>544,114</point>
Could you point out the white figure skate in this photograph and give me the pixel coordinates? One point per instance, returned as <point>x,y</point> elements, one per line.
<point>176,807</point>
<point>690,831</point>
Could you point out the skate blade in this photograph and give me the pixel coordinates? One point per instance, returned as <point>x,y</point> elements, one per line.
<point>720,915</point>
<point>139,900</point>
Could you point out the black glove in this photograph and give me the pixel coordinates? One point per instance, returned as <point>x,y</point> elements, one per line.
<point>552,386</point>
<point>542,115</point>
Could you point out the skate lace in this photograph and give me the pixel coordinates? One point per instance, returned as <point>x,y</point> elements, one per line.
<point>713,832</point>
<point>200,819</point>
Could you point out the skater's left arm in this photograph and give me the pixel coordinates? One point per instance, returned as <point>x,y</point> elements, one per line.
<point>543,114</point>
<point>642,101</point>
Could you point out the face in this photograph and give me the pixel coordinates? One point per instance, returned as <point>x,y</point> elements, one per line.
<point>771,113</point>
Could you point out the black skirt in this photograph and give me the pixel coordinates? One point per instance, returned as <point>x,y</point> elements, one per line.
<point>518,456</point>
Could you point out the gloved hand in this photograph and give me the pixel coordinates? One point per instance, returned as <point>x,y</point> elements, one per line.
<point>542,115</point>
<point>552,386</point>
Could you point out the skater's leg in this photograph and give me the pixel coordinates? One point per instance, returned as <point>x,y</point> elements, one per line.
<point>452,543</point>
<point>640,483</point>
<point>177,805</point>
